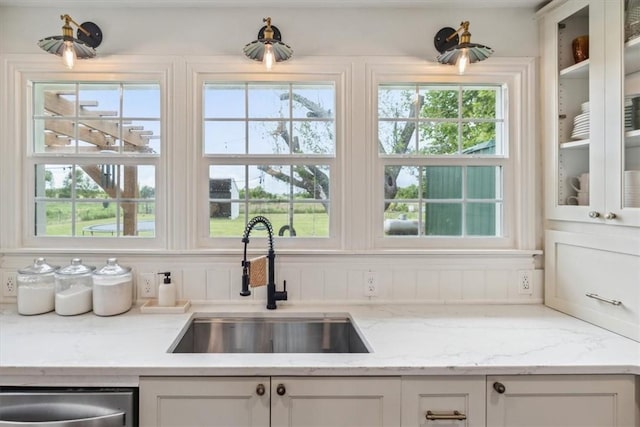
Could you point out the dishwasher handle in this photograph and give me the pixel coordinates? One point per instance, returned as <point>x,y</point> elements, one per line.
<point>111,420</point>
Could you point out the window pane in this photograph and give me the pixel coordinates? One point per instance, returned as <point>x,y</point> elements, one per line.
<point>268,101</point>
<point>99,99</point>
<point>313,137</point>
<point>439,102</point>
<point>312,100</point>
<point>481,219</point>
<point>224,137</point>
<point>53,218</point>
<point>401,188</point>
<point>142,136</point>
<point>438,138</point>
<point>480,103</point>
<point>396,137</point>
<point>54,99</point>
<point>443,219</point>
<point>443,182</point>
<point>396,101</point>
<point>224,101</point>
<point>479,138</point>
<point>268,138</point>
<point>141,101</point>
<point>484,182</point>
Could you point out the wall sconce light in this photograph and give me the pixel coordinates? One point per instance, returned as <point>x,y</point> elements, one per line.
<point>269,47</point>
<point>459,51</point>
<point>69,48</point>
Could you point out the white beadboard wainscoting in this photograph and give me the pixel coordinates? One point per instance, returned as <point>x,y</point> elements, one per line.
<point>435,278</point>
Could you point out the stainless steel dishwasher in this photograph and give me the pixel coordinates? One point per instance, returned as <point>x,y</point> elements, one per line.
<point>68,407</point>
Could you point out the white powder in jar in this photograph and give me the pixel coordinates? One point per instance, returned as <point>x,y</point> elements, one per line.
<point>35,299</point>
<point>75,300</point>
<point>112,296</point>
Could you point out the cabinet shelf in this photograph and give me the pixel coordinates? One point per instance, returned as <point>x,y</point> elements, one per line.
<point>579,145</point>
<point>576,71</point>
<point>632,56</point>
<point>632,138</point>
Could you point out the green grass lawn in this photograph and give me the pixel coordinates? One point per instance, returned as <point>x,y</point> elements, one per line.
<point>305,225</point>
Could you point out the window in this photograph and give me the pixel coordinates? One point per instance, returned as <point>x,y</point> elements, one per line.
<point>443,153</point>
<point>94,157</point>
<point>269,148</point>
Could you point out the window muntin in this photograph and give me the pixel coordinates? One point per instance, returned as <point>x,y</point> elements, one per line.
<point>270,153</point>
<point>451,139</point>
<point>95,153</point>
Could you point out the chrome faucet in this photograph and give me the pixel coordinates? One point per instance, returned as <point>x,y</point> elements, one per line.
<point>272,294</point>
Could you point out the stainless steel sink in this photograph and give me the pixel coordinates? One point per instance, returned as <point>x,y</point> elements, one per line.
<point>270,335</point>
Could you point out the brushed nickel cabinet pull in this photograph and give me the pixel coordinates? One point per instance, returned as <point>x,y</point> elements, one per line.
<point>594,214</point>
<point>610,215</point>
<point>607,300</point>
<point>445,415</point>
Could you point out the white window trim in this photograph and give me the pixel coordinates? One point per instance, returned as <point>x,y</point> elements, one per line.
<point>225,69</point>
<point>358,167</point>
<point>519,187</point>
<point>19,73</point>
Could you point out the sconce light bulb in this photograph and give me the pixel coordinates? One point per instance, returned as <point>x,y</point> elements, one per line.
<point>463,61</point>
<point>68,55</point>
<point>268,57</point>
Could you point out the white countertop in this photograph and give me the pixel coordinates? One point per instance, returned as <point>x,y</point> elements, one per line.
<point>405,339</point>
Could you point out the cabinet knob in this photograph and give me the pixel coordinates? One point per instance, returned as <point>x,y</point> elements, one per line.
<point>281,390</point>
<point>610,215</point>
<point>594,214</point>
<point>499,387</point>
<point>260,390</point>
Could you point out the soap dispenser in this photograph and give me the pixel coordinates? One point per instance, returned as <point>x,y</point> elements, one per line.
<point>167,291</point>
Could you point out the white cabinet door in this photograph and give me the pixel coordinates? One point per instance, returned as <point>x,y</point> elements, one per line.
<point>443,401</point>
<point>335,402</point>
<point>207,401</point>
<point>595,278</point>
<point>561,401</point>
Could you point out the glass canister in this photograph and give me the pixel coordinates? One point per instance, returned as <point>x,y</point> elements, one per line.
<point>36,288</point>
<point>112,289</point>
<point>74,284</point>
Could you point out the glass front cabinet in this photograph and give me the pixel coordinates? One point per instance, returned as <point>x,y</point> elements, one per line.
<point>591,110</point>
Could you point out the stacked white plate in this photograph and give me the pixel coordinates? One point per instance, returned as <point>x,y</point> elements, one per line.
<point>628,115</point>
<point>581,123</point>
<point>632,189</point>
<point>581,126</point>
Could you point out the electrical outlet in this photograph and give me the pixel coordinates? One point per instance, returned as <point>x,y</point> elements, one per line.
<point>525,282</point>
<point>370,284</point>
<point>9,285</point>
<point>147,285</point>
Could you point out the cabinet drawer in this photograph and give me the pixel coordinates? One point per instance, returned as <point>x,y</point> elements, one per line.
<point>595,278</point>
<point>443,401</point>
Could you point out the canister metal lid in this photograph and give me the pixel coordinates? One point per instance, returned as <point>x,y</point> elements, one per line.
<point>112,269</point>
<point>76,268</point>
<point>39,266</point>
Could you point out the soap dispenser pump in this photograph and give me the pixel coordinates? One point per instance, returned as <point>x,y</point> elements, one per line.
<point>167,291</point>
